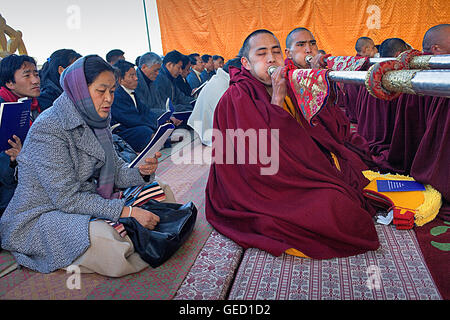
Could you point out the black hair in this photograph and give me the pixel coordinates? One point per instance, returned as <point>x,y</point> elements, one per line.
<point>235,62</point>
<point>193,58</point>
<point>61,57</point>
<point>186,61</point>
<point>290,34</point>
<point>122,67</point>
<point>173,56</point>
<point>10,64</point>
<point>361,43</point>
<point>391,47</point>
<point>93,66</point>
<point>206,57</point>
<point>246,45</point>
<point>114,53</point>
<point>217,57</point>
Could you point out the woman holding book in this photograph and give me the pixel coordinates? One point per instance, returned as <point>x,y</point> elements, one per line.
<point>68,175</point>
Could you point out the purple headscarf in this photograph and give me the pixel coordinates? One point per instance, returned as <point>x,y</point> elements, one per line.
<point>73,81</point>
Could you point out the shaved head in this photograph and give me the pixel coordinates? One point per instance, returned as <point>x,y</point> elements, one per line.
<point>437,40</point>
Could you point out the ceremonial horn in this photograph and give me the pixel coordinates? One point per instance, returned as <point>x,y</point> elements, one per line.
<point>418,62</point>
<point>422,62</point>
<point>421,82</point>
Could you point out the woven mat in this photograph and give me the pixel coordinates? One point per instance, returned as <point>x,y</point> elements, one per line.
<point>396,271</point>
<point>188,183</point>
<point>212,274</point>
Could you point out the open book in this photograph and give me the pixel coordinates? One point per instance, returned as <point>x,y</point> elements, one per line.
<point>155,144</point>
<point>14,120</point>
<point>170,112</point>
<point>197,90</point>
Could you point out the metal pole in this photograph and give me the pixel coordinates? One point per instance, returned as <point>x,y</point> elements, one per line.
<point>146,25</point>
<point>424,82</point>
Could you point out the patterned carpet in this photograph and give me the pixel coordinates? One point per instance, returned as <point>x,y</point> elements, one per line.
<point>396,271</point>
<point>188,183</point>
<point>210,266</point>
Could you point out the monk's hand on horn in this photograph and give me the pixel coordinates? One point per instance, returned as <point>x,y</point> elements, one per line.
<point>279,86</point>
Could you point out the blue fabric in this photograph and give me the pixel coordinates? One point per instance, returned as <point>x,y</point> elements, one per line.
<point>205,75</point>
<point>164,83</point>
<point>193,81</point>
<point>8,182</point>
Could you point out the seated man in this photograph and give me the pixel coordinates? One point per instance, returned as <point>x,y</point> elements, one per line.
<point>149,66</point>
<point>218,62</point>
<point>422,129</point>
<point>197,67</point>
<point>136,123</point>
<point>376,117</point>
<point>332,127</point>
<point>165,82</point>
<point>208,72</point>
<point>365,47</point>
<point>19,78</point>
<point>296,199</point>
<point>181,81</point>
<point>114,55</point>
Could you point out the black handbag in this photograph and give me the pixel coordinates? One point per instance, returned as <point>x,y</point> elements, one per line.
<point>175,226</point>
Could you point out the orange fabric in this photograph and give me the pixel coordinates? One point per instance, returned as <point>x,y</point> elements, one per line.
<point>295,252</point>
<point>411,199</point>
<point>220,27</point>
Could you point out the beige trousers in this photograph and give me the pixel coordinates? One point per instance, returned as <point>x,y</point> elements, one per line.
<point>110,254</point>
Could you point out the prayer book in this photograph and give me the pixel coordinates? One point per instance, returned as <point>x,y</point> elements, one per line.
<point>197,90</point>
<point>155,144</point>
<point>170,112</point>
<point>14,120</point>
<point>399,185</point>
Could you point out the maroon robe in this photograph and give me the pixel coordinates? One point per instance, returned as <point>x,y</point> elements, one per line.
<point>308,204</point>
<point>410,125</point>
<point>349,99</point>
<point>376,121</point>
<point>431,164</point>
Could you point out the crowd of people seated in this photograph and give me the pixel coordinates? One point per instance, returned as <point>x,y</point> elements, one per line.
<point>86,111</point>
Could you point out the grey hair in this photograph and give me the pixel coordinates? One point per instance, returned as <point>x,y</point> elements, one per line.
<point>149,59</point>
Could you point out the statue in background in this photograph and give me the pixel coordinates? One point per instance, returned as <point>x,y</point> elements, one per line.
<point>15,41</point>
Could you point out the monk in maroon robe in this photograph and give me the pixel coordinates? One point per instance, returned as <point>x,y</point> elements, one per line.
<point>312,202</point>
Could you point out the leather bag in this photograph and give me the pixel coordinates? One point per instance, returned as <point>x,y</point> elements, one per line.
<point>175,226</point>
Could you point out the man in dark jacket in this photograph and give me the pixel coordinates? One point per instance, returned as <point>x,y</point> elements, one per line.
<point>165,82</point>
<point>136,123</point>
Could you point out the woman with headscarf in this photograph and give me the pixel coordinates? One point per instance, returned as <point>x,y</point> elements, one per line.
<point>50,74</point>
<point>69,175</point>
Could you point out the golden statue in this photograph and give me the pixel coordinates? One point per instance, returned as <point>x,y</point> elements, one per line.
<point>15,42</point>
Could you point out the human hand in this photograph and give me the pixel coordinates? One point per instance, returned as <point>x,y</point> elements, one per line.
<point>279,86</point>
<point>150,166</point>
<point>318,61</point>
<point>176,121</point>
<point>16,147</point>
<point>146,218</point>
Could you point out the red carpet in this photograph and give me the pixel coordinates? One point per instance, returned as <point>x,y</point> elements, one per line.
<point>434,241</point>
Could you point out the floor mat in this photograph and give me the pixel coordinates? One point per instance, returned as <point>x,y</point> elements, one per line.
<point>396,271</point>
<point>212,274</point>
